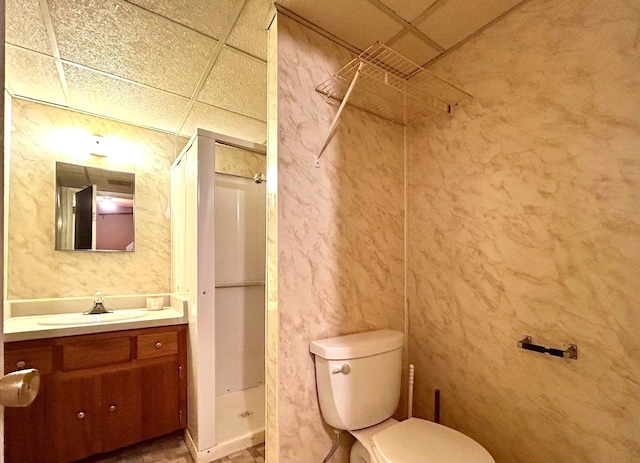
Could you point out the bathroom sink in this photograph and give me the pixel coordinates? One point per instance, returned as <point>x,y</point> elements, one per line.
<point>81,319</point>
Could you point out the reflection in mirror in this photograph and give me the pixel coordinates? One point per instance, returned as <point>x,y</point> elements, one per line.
<point>94,209</point>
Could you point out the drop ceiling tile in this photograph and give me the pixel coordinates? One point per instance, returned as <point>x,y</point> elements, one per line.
<point>249,32</point>
<point>208,117</point>
<point>25,25</point>
<point>109,97</point>
<point>127,41</point>
<point>455,20</point>
<point>33,75</point>
<point>357,22</point>
<point>414,48</point>
<point>207,16</point>
<point>408,9</point>
<point>237,83</point>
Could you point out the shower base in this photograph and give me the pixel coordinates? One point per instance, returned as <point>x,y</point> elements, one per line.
<point>240,424</point>
<point>240,415</point>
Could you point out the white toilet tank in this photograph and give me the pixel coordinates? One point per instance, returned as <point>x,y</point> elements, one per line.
<point>358,377</point>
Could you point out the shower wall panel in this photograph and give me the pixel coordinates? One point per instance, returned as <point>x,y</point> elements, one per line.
<point>193,276</point>
<point>240,230</point>
<point>239,338</point>
<point>240,268</point>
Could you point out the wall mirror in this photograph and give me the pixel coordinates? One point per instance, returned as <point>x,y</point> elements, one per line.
<point>94,209</point>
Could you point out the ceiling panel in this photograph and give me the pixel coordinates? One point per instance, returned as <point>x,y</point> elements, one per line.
<point>457,19</point>
<point>249,33</point>
<point>414,49</point>
<point>237,83</point>
<point>206,16</point>
<point>25,25</point>
<point>33,75</point>
<point>167,44</point>
<point>219,120</point>
<point>408,9</point>
<point>127,41</point>
<point>99,94</point>
<point>357,22</point>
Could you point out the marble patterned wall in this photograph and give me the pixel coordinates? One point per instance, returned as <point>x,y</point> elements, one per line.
<point>271,278</point>
<point>524,218</point>
<point>239,162</point>
<point>339,242</point>
<point>35,269</point>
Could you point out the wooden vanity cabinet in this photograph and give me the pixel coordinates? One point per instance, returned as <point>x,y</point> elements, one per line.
<point>25,428</point>
<point>102,392</point>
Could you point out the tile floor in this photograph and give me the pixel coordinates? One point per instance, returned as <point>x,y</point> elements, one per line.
<point>172,449</point>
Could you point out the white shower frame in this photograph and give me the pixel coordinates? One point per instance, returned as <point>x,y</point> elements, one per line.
<point>200,435</point>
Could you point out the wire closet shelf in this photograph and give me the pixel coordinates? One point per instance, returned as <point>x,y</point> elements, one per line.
<point>381,81</point>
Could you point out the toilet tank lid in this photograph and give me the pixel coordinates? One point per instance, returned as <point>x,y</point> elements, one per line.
<point>357,345</point>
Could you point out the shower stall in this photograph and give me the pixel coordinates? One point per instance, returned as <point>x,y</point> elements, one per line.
<point>218,204</point>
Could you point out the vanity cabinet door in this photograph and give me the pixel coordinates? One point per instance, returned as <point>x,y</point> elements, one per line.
<point>120,423</point>
<point>26,431</point>
<point>161,386</point>
<point>25,428</point>
<point>72,411</point>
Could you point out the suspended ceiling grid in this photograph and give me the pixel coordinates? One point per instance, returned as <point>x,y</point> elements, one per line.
<point>173,65</point>
<point>421,30</point>
<point>176,65</point>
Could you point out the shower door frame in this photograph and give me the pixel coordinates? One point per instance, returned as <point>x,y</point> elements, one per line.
<point>199,289</point>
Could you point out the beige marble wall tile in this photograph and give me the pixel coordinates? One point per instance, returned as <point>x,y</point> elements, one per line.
<point>524,218</point>
<point>272,334</point>
<point>339,233</point>
<point>35,269</point>
<point>236,161</point>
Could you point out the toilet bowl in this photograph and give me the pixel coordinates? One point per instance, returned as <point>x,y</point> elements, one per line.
<point>358,380</point>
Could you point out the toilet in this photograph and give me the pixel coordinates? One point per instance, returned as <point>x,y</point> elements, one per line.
<point>358,378</point>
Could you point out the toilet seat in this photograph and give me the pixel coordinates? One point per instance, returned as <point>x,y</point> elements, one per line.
<point>420,441</point>
<point>365,435</point>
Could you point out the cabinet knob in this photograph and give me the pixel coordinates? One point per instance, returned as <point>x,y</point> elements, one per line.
<point>158,345</point>
<point>112,408</point>
<point>21,364</point>
<point>81,415</point>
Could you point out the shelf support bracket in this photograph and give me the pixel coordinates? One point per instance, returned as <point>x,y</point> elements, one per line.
<point>334,124</point>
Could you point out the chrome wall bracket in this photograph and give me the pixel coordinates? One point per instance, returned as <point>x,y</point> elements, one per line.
<point>570,352</point>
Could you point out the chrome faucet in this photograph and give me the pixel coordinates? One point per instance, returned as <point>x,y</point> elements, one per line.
<point>98,306</point>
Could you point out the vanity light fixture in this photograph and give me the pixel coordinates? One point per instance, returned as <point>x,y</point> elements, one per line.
<point>98,147</point>
<point>80,144</point>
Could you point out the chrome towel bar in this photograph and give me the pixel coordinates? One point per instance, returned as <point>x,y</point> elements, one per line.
<point>571,351</point>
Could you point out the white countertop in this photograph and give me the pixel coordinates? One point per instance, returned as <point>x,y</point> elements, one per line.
<point>27,327</point>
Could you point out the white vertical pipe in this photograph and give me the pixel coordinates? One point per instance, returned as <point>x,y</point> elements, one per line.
<point>410,392</point>
<point>405,274</point>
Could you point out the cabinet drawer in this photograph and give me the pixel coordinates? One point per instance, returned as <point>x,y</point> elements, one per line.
<point>90,354</point>
<point>157,345</point>
<point>40,358</point>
